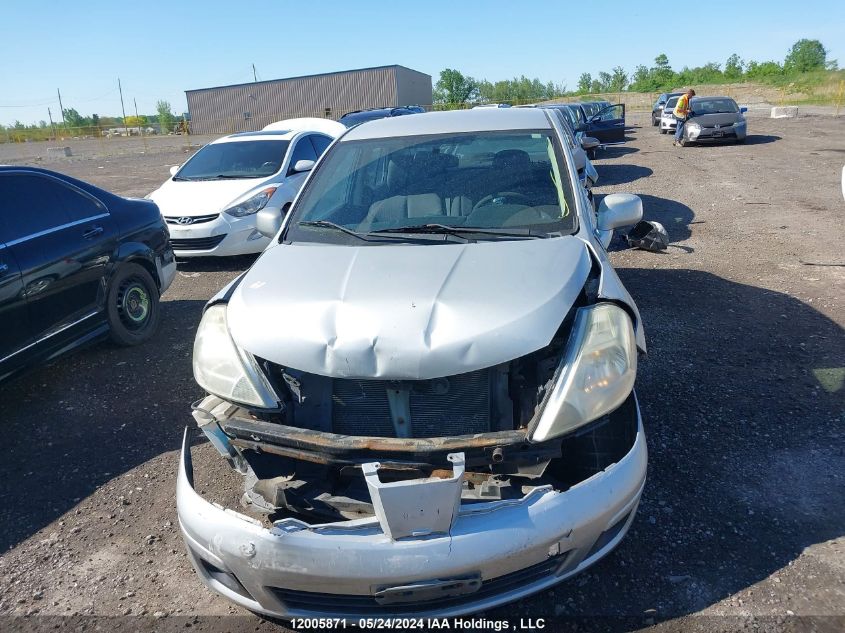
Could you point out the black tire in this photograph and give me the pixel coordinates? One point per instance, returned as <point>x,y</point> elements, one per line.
<point>655,122</point>
<point>132,305</point>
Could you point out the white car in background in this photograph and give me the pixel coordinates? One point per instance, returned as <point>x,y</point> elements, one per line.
<point>210,202</point>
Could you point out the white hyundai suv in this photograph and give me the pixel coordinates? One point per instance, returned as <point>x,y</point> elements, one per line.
<point>210,202</point>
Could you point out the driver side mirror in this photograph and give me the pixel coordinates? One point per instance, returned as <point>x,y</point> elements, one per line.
<point>743,109</point>
<point>589,142</point>
<point>268,221</point>
<point>303,165</point>
<point>619,209</point>
<point>174,170</point>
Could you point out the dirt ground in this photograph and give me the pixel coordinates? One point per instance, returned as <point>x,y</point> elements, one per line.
<point>742,520</point>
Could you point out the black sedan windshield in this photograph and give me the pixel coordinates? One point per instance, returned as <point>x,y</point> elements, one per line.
<point>714,106</point>
<point>511,180</point>
<point>236,159</point>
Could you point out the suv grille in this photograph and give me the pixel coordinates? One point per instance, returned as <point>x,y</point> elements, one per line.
<point>197,243</point>
<point>197,219</point>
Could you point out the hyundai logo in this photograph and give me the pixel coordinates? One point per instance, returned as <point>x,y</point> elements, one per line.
<point>185,220</point>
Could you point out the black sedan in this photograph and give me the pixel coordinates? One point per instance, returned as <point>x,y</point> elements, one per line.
<point>76,264</point>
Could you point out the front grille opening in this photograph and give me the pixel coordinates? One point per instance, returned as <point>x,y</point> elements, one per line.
<point>457,405</point>
<point>329,603</point>
<point>197,243</point>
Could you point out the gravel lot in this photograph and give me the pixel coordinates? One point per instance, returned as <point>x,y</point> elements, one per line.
<point>742,520</point>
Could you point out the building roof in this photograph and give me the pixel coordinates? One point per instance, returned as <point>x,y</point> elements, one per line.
<point>337,72</point>
<point>455,121</point>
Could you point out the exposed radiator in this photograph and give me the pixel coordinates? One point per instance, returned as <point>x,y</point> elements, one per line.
<point>456,405</point>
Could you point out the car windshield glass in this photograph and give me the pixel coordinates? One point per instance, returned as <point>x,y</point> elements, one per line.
<point>237,159</point>
<point>486,180</point>
<point>714,106</point>
<point>591,108</point>
<point>670,105</point>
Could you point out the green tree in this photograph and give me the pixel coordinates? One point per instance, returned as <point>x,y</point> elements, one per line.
<point>733,68</point>
<point>73,118</point>
<point>805,55</point>
<point>165,118</point>
<point>454,87</point>
<point>618,80</point>
<point>756,71</point>
<point>585,82</point>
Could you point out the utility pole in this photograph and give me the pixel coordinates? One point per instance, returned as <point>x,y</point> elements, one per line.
<point>61,107</point>
<point>52,126</point>
<point>120,89</point>
<point>254,74</point>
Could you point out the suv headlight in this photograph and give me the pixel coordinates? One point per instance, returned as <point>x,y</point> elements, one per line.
<point>222,369</point>
<point>694,126</point>
<point>251,205</point>
<point>597,372</point>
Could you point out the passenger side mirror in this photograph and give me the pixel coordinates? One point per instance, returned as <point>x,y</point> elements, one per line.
<point>303,165</point>
<point>619,209</point>
<point>743,109</point>
<point>174,170</point>
<point>589,142</point>
<point>268,221</point>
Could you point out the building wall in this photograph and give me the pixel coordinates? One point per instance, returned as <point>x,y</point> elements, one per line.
<point>412,87</point>
<point>252,106</point>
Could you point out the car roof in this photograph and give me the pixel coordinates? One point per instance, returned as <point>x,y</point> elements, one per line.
<point>259,135</point>
<point>711,98</point>
<point>454,121</point>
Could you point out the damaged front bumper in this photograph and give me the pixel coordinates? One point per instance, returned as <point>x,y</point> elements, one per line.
<point>487,554</point>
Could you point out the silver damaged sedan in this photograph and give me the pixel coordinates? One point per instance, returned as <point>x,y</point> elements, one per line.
<point>426,380</point>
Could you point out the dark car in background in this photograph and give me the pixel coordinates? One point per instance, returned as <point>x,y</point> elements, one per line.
<point>77,263</point>
<point>657,108</point>
<point>357,117</point>
<point>599,119</point>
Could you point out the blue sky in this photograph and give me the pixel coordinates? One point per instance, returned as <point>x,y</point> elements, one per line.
<point>160,49</point>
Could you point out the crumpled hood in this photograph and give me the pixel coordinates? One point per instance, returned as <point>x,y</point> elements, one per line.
<point>180,197</point>
<point>406,311</point>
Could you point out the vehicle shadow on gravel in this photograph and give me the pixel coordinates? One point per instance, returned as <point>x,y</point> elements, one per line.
<point>215,264</point>
<point>761,139</point>
<point>72,426</point>
<point>742,398</point>
<point>615,151</point>
<point>619,174</point>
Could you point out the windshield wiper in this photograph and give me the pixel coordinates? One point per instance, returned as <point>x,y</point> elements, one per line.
<point>325,224</point>
<point>445,229</point>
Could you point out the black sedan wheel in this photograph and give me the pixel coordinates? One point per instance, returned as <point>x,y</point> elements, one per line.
<point>133,308</point>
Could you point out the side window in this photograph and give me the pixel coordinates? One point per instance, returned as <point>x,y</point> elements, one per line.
<point>29,205</point>
<point>303,150</point>
<point>320,143</point>
<point>77,205</point>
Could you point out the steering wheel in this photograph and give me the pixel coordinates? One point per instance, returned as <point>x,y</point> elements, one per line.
<point>502,194</point>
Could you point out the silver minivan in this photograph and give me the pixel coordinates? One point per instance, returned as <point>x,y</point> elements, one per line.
<point>426,380</point>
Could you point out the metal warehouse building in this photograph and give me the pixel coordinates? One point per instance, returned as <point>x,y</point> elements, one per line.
<point>251,106</point>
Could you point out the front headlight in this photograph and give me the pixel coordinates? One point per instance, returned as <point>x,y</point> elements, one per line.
<point>597,372</point>
<point>224,370</point>
<point>251,205</point>
<point>694,127</point>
